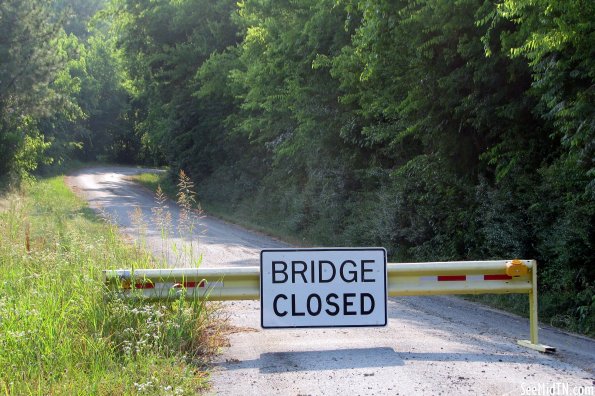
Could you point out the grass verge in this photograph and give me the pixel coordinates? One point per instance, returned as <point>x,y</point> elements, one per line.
<point>154,180</point>
<point>58,333</point>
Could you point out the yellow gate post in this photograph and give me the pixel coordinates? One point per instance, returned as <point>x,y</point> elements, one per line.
<point>533,343</point>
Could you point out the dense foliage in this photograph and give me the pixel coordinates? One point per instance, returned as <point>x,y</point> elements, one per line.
<point>62,92</point>
<point>438,129</point>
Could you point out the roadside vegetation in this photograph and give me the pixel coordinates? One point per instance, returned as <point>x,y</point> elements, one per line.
<point>518,304</point>
<point>440,130</point>
<point>61,333</point>
<point>163,183</point>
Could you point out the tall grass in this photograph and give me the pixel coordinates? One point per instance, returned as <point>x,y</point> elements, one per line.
<point>163,183</point>
<point>58,335</point>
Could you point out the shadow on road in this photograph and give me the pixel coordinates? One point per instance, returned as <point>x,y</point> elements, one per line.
<point>359,358</point>
<point>279,362</point>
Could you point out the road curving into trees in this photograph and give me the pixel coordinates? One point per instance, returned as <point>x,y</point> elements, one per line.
<point>432,345</point>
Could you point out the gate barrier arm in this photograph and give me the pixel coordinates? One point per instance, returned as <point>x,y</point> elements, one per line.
<point>217,284</point>
<point>403,279</point>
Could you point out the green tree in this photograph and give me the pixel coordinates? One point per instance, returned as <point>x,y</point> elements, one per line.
<point>164,43</point>
<point>432,107</point>
<point>28,64</point>
<point>556,38</point>
<point>94,125</point>
<point>292,157</point>
<point>77,14</point>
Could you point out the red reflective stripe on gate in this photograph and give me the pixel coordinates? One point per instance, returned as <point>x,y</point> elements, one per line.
<point>442,278</point>
<point>147,285</point>
<point>497,277</point>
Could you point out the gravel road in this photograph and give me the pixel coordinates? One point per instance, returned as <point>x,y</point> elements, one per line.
<point>431,346</point>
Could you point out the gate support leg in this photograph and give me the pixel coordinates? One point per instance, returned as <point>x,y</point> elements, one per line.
<point>533,323</point>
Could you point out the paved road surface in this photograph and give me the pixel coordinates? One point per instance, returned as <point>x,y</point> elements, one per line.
<point>431,346</point>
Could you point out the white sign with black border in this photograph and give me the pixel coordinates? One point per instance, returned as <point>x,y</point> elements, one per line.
<point>323,287</point>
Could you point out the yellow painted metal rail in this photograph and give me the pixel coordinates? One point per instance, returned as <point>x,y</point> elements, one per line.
<point>404,279</point>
